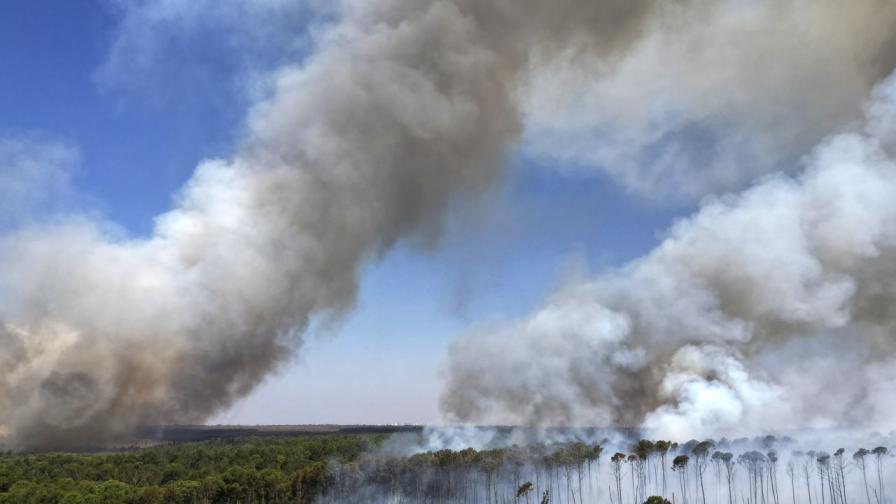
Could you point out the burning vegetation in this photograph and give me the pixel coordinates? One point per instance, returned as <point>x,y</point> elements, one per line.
<point>364,468</point>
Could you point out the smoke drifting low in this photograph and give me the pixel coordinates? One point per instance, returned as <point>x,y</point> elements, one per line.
<point>766,309</point>
<point>405,107</point>
<point>582,465</point>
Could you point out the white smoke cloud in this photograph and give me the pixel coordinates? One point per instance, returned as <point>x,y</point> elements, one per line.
<point>401,109</point>
<point>712,96</point>
<point>404,108</point>
<point>766,309</point>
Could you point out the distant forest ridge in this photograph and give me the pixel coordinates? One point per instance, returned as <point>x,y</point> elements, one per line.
<point>187,433</point>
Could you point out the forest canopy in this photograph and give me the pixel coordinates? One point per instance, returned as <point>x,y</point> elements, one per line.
<point>363,468</point>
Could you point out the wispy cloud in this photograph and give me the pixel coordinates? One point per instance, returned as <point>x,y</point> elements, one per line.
<point>35,178</point>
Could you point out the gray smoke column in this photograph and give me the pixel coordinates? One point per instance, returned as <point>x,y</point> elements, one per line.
<point>405,107</point>
<point>767,309</point>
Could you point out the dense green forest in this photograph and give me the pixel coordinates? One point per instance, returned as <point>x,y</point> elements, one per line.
<point>368,468</point>
<point>246,470</point>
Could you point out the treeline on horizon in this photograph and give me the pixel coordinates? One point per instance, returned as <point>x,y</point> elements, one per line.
<point>353,469</point>
<point>270,470</point>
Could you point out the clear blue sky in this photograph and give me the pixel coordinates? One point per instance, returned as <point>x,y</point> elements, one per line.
<point>141,112</point>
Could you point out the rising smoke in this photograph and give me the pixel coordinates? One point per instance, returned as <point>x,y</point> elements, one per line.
<point>768,309</point>
<point>403,108</point>
<point>714,95</point>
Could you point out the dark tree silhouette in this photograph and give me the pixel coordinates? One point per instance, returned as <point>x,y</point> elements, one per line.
<point>701,454</point>
<point>680,465</point>
<point>859,457</point>
<point>662,449</point>
<point>824,469</point>
<point>524,490</point>
<point>879,454</point>
<point>772,459</point>
<point>839,468</point>
<point>616,462</point>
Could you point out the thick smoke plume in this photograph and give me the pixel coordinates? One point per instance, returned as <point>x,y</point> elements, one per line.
<point>713,95</point>
<point>404,107</point>
<point>769,309</point>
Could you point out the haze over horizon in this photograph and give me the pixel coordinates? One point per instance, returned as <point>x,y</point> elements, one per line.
<point>676,216</point>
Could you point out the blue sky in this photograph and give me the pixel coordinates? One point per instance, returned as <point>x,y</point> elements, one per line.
<point>140,114</point>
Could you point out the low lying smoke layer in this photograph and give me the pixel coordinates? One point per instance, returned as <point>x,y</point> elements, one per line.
<point>766,309</point>
<point>405,107</point>
<point>619,469</point>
